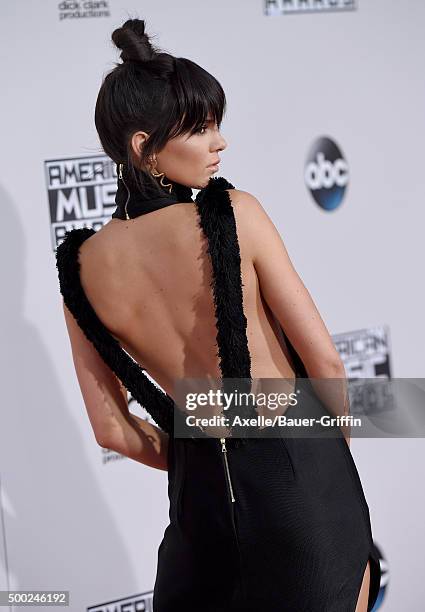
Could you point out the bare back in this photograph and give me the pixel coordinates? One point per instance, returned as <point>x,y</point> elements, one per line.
<point>149,281</point>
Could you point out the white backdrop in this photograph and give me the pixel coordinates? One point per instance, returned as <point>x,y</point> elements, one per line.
<point>76,517</point>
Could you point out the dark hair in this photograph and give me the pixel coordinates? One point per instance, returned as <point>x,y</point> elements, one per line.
<point>154,92</point>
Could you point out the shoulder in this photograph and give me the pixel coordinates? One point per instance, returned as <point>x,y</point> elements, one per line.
<point>248,209</point>
<point>80,241</point>
<point>249,213</point>
<point>224,193</point>
<point>71,242</point>
<point>254,224</point>
<point>243,200</point>
<point>68,259</point>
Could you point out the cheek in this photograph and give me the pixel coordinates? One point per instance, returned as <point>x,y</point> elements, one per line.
<point>189,152</point>
<point>185,162</point>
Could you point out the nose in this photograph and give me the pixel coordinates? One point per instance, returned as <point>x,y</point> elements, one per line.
<point>221,144</point>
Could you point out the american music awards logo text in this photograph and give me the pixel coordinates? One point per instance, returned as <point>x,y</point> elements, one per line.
<point>81,193</point>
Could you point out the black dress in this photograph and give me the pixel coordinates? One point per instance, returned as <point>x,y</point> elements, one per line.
<point>264,524</point>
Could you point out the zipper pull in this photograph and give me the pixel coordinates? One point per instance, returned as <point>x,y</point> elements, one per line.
<point>120,171</point>
<point>224,450</point>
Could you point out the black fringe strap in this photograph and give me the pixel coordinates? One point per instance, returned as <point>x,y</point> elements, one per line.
<point>217,220</point>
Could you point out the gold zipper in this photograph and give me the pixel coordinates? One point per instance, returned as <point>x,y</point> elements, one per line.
<point>128,191</point>
<point>224,450</point>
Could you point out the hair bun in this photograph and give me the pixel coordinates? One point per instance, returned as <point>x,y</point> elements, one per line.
<point>134,43</point>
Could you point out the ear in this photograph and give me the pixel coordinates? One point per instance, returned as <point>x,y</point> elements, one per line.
<point>137,141</point>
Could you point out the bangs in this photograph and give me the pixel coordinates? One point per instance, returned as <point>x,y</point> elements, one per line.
<point>197,95</point>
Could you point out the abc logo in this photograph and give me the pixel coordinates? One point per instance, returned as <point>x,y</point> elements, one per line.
<point>326,173</point>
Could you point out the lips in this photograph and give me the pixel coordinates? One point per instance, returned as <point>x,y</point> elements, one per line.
<point>214,163</point>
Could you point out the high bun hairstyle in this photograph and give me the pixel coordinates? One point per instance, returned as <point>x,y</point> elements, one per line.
<point>155,92</point>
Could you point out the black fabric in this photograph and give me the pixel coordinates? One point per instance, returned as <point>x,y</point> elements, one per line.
<point>296,538</point>
<point>297,535</point>
<point>130,199</point>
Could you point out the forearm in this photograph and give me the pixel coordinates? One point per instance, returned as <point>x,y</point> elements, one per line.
<point>331,387</point>
<point>139,440</point>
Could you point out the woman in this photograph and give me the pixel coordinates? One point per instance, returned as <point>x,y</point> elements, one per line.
<point>255,524</point>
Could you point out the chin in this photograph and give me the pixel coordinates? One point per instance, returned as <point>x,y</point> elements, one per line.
<point>203,184</point>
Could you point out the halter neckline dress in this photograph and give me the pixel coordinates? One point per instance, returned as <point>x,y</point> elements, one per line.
<point>276,524</point>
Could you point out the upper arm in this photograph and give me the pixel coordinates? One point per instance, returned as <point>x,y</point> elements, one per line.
<point>283,289</point>
<point>104,395</point>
